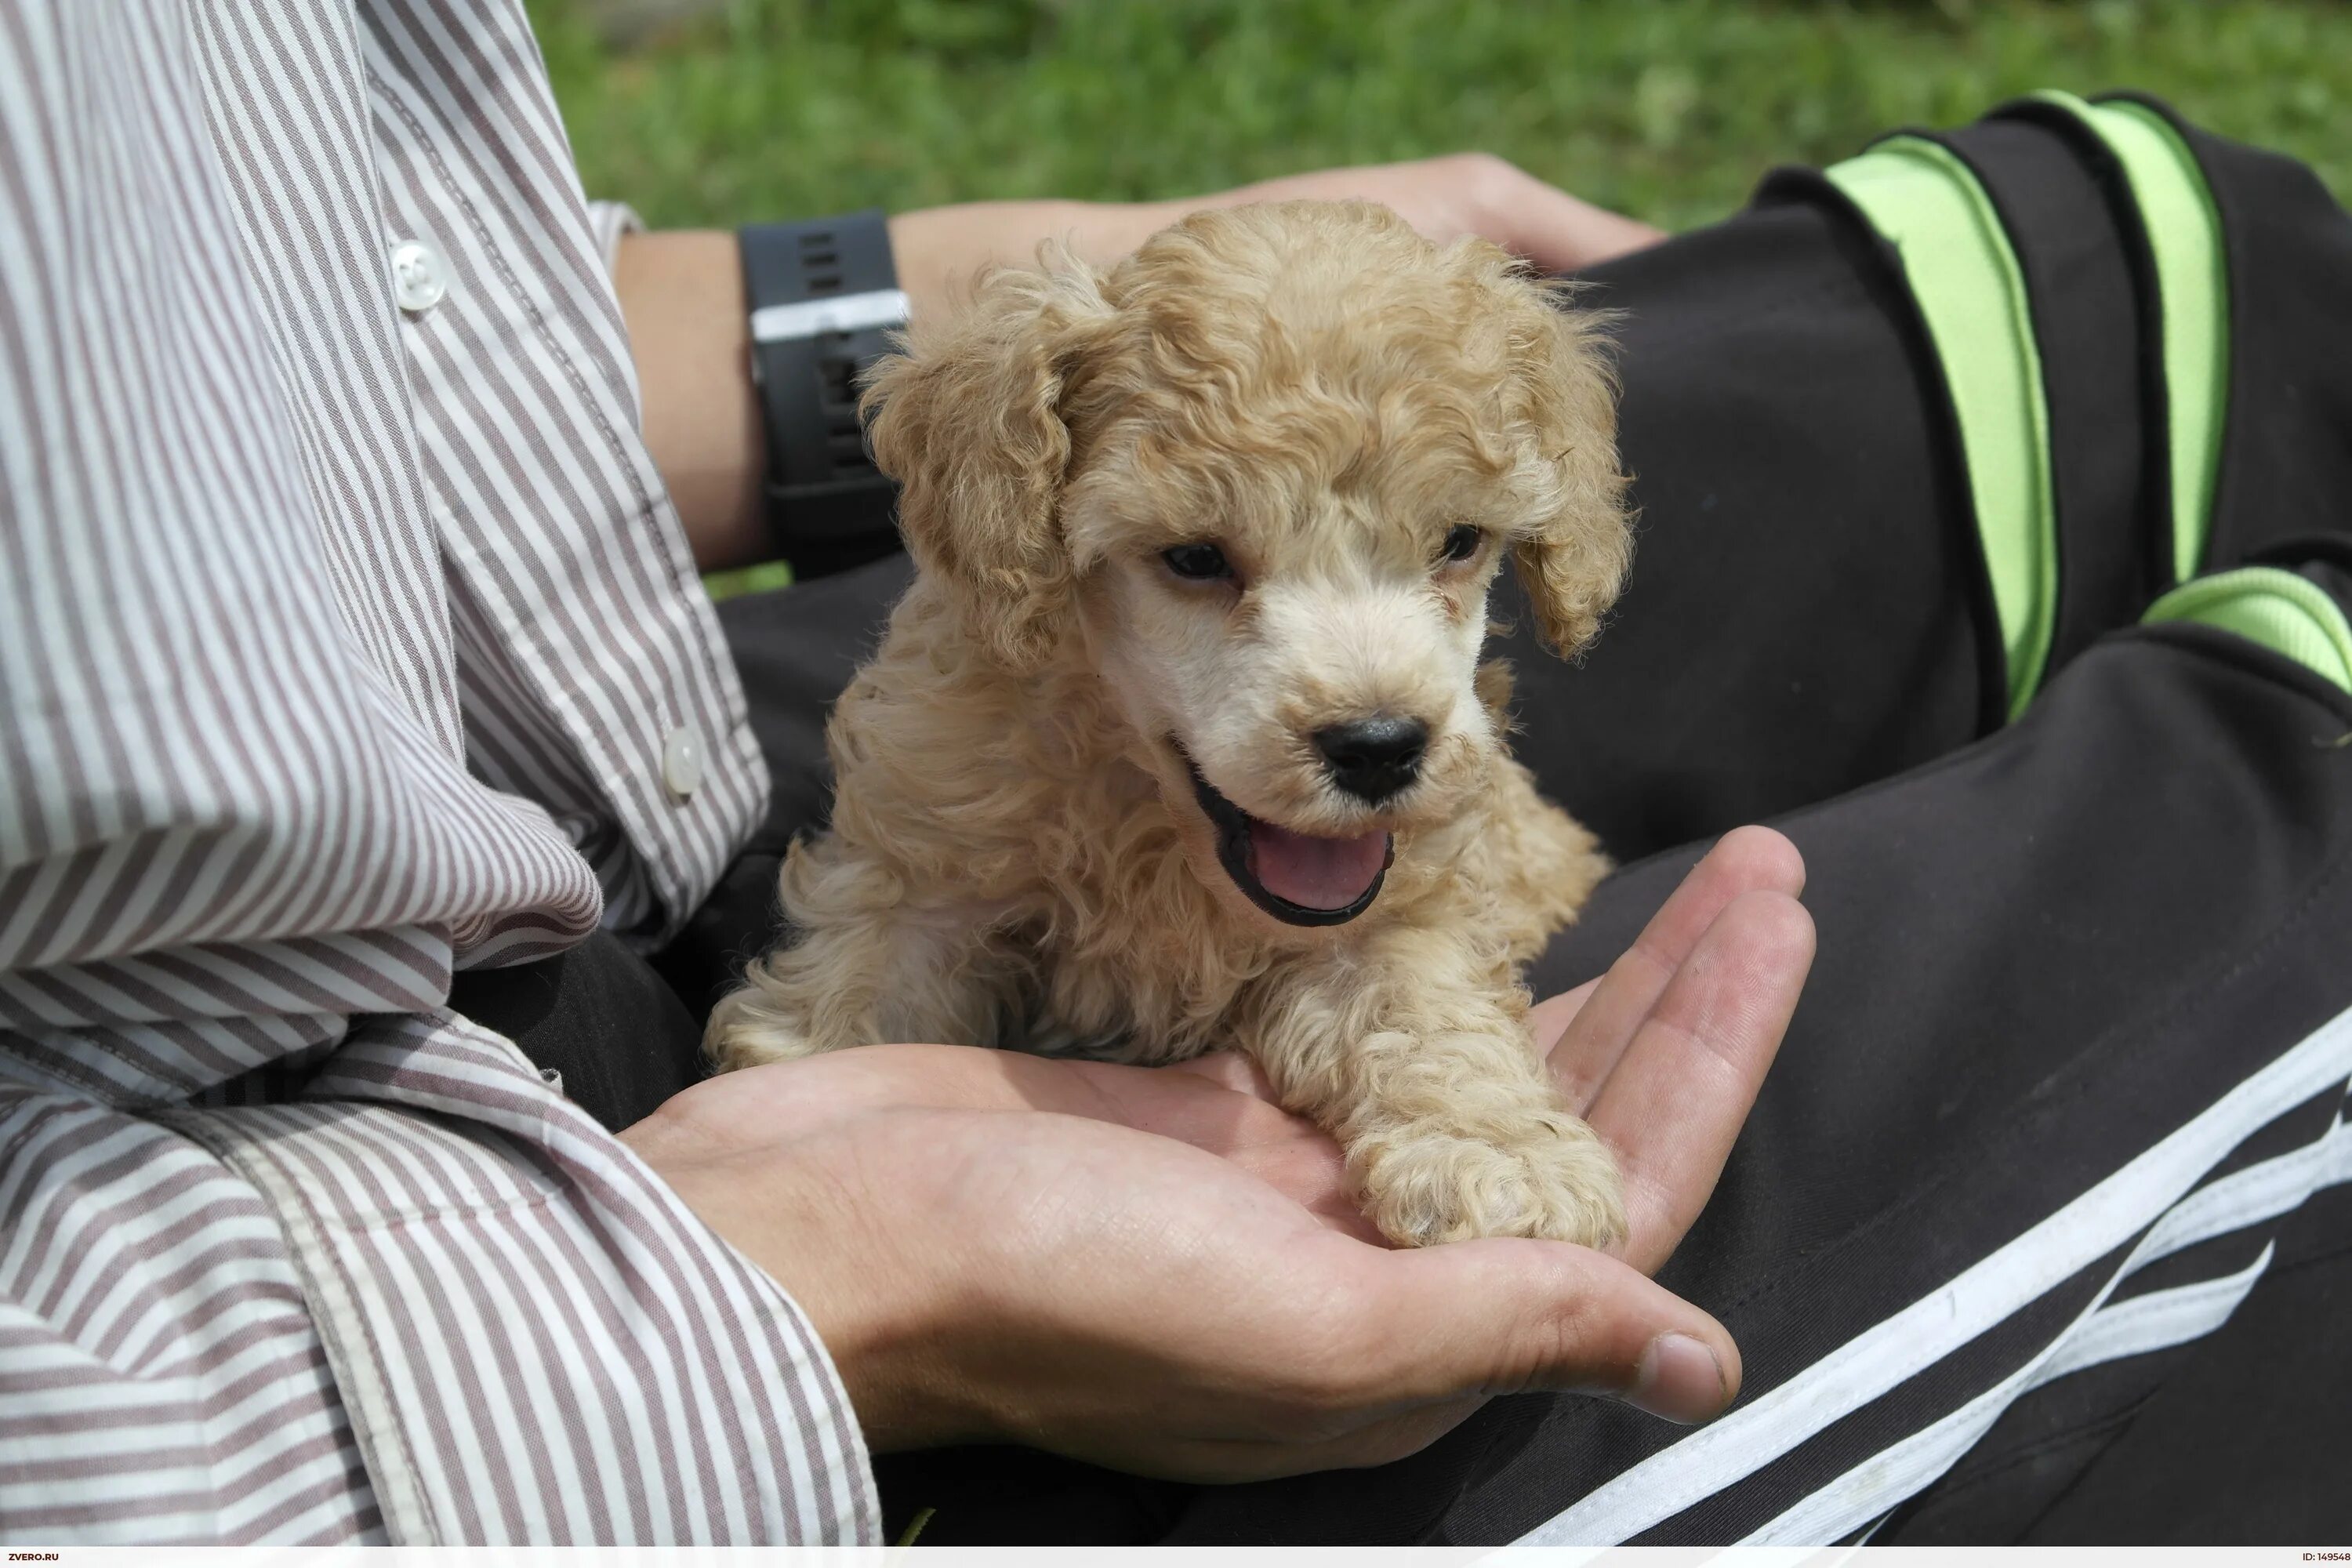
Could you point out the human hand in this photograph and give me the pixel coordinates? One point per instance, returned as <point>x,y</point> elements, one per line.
<point>1448,197</point>
<point>1158,1270</point>
<point>940,250</point>
<point>1665,1053</point>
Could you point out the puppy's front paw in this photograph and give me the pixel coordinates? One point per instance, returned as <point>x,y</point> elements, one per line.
<point>1549,1177</point>
<point>746,1031</point>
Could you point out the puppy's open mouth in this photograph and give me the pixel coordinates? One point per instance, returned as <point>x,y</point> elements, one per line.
<point>1298,879</point>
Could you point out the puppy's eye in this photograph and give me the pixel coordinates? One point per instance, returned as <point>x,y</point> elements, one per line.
<point>1199,563</point>
<point>1462,541</point>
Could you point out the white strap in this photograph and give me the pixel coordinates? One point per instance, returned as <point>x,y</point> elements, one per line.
<point>842,314</point>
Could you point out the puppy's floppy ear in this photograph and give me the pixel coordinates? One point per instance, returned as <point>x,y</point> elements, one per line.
<point>1574,561</point>
<point>968,420</point>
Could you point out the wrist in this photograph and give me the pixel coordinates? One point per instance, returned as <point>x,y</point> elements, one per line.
<point>825,304</point>
<point>886,1322</point>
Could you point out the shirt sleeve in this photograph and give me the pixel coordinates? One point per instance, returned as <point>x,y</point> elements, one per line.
<point>608,222</point>
<point>532,1337</point>
<point>287,1251</point>
<point>426,1301</point>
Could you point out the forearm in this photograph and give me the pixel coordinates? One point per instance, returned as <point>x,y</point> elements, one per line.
<point>682,296</point>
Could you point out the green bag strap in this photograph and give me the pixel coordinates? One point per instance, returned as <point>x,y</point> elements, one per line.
<point>1957,260</point>
<point>2184,235</point>
<point>2292,616</point>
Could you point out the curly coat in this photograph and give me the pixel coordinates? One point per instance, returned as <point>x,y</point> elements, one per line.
<point>1020,854</point>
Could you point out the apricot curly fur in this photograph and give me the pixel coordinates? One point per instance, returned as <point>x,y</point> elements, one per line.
<point>1017,857</point>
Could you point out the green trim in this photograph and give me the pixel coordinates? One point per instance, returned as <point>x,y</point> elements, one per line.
<point>742,580</point>
<point>2292,616</point>
<point>1926,203</point>
<point>2192,275</point>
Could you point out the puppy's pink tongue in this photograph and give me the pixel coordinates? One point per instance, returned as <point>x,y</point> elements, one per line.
<point>1316,873</point>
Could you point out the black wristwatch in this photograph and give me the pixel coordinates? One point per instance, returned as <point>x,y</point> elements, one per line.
<point>824,296</point>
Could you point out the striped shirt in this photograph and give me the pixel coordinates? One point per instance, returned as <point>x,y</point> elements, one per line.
<point>344,629</point>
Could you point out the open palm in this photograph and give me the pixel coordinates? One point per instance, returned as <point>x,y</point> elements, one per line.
<point>1160,1270</point>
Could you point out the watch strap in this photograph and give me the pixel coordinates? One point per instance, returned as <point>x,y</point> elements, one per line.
<point>822,295</point>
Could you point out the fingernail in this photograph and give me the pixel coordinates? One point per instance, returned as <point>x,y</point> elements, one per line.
<point>1680,1380</point>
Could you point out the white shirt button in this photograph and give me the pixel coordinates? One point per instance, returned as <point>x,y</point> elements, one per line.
<point>420,276</point>
<point>682,762</point>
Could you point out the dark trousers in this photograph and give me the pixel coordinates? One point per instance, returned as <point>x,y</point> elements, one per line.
<point>2040,1230</point>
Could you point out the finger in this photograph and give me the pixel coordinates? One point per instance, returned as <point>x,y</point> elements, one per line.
<point>1745,859</point>
<point>1550,1018</point>
<point>1684,1086</point>
<point>1506,1317</point>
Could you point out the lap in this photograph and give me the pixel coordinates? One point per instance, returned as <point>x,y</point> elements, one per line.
<point>2054,956</point>
<point>2064,1077</point>
<point>2060,1092</point>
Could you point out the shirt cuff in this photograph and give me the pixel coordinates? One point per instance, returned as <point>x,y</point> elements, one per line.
<point>162,1383</point>
<point>535,1340</point>
<point>608,221</point>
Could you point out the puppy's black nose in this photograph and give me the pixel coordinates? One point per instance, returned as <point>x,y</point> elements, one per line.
<point>1373,759</point>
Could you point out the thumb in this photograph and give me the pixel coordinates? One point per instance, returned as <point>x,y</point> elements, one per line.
<point>1510,1317</point>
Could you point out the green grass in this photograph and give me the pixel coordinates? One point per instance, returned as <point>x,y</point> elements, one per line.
<point>1666,108</point>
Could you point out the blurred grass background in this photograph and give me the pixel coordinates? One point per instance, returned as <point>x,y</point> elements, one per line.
<point>731,110</point>
<point>1666,109</point>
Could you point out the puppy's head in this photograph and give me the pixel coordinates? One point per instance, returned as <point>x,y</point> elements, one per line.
<point>1260,475</point>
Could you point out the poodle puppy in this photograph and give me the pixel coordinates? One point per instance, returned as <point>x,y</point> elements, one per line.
<point>1180,738</point>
